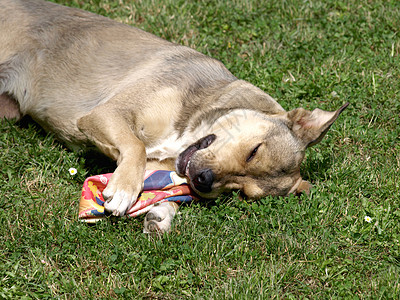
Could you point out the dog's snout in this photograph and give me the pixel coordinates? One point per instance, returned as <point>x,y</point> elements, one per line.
<point>203,181</point>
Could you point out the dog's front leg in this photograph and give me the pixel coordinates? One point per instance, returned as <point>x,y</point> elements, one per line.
<point>113,135</point>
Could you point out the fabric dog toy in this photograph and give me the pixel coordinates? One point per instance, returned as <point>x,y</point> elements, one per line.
<point>159,186</point>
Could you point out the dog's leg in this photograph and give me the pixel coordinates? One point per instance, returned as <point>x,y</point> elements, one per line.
<point>9,108</point>
<point>111,132</point>
<point>159,218</point>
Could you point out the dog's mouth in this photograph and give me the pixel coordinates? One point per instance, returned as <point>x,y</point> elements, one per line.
<point>183,160</point>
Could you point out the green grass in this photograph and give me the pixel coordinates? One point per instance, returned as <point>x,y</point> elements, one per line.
<point>303,53</point>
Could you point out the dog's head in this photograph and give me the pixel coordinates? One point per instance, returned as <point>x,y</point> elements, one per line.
<point>256,153</point>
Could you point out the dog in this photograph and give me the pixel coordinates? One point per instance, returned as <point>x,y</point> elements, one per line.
<point>148,103</point>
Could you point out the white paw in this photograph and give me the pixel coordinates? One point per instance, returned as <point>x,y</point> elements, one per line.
<point>159,218</point>
<point>119,202</point>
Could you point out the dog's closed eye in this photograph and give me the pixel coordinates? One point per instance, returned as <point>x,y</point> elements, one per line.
<point>253,153</point>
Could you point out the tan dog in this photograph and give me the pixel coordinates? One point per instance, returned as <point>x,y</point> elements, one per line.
<point>148,103</point>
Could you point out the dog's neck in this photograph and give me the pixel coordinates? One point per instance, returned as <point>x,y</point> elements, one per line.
<point>221,100</point>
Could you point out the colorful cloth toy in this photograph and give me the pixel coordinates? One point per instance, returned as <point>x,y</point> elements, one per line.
<point>159,186</point>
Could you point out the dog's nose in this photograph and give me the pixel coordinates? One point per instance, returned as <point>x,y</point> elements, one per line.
<point>204,180</point>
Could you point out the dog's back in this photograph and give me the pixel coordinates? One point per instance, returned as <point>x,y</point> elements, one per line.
<point>59,63</point>
<point>45,47</point>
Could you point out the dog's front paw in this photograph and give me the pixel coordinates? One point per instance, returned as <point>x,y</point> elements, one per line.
<point>159,218</point>
<point>119,199</point>
<point>116,204</point>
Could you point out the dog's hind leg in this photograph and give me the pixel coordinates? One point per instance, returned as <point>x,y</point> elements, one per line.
<point>9,108</point>
<point>159,218</point>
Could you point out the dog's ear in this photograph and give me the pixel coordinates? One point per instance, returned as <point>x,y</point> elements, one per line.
<point>311,126</point>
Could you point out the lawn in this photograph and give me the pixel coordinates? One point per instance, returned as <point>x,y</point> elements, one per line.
<point>303,53</point>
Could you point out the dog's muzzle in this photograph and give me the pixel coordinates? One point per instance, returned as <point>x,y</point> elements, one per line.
<point>200,179</point>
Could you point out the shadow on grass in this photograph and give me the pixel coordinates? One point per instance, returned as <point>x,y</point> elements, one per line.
<point>98,163</point>
<point>94,161</point>
<point>315,167</point>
